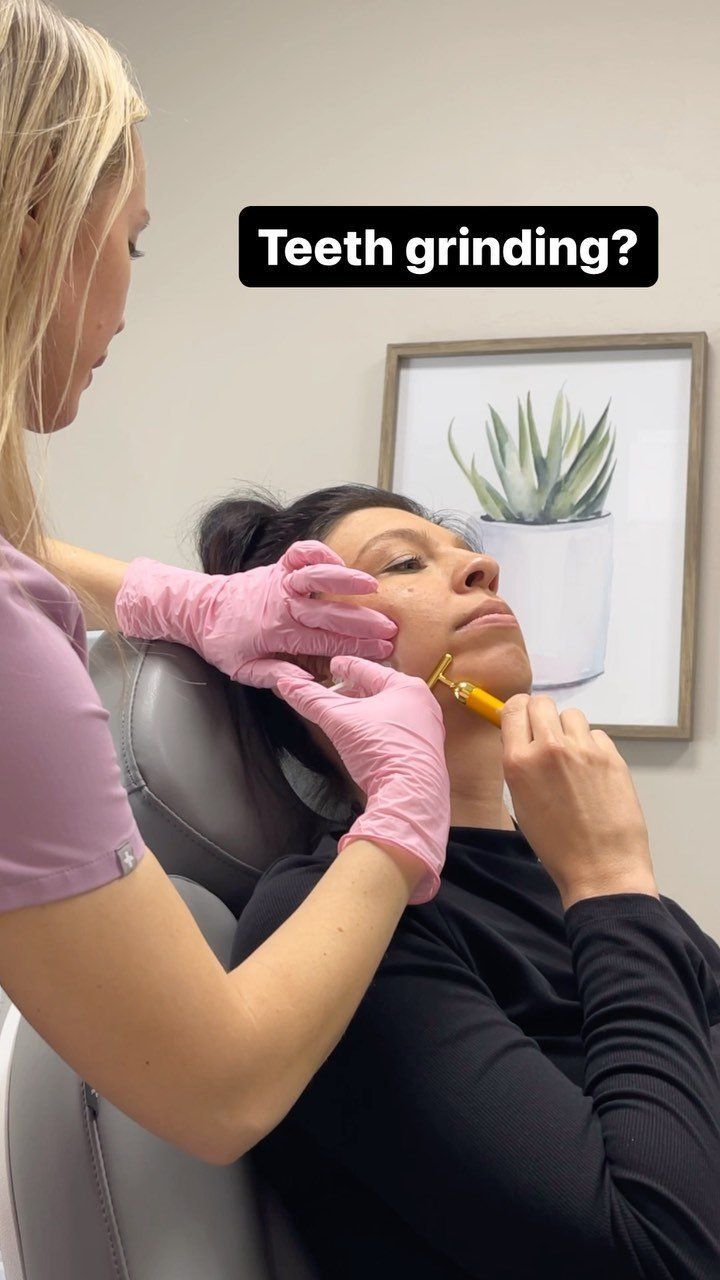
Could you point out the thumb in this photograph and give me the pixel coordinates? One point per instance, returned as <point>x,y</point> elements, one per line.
<point>369,676</point>
<point>307,552</point>
<point>306,696</point>
<point>263,673</point>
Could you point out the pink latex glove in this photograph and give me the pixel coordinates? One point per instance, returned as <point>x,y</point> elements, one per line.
<point>390,734</point>
<point>235,621</point>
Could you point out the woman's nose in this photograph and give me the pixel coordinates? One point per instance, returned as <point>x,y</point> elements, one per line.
<point>482,571</point>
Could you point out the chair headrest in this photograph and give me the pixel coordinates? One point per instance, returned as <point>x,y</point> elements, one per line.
<point>207,807</point>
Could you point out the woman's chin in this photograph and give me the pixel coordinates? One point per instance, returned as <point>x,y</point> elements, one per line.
<point>502,671</point>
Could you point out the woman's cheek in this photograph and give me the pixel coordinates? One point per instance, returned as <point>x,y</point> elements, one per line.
<point>425,638</point>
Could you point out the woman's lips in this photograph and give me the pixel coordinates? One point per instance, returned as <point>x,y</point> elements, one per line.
<point>96,366</point>
<point>491,620</point>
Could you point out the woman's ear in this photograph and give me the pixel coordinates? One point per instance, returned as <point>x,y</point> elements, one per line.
<point>29,232</point>
<point>28,235</point>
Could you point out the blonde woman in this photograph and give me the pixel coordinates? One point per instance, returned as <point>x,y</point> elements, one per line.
<point>95,943</point>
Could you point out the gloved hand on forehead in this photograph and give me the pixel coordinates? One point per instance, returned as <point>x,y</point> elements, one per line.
<point>239,621</point>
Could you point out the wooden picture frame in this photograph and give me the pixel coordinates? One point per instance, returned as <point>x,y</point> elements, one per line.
<point>659,379</point>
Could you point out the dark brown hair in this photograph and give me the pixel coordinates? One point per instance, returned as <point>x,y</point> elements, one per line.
<point>253,528</point>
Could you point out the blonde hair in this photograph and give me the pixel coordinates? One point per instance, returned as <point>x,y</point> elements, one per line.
<point>67,107</point>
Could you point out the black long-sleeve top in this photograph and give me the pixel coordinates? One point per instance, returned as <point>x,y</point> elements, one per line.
<point>524,1092</point>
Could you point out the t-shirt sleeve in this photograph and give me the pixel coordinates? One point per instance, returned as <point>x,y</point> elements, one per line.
<point>442,1106</point>
<point>66,825</point>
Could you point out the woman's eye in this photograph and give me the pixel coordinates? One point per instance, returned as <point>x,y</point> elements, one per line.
<point>400,564</point>
<point>134,251</point>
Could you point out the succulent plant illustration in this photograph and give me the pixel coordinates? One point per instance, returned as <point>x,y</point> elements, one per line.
<point>537,490</point>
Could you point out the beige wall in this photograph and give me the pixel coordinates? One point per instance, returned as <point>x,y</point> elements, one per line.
<point>393,101</point>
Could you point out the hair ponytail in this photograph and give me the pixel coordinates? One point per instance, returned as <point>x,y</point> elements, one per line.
<point>231,533</point>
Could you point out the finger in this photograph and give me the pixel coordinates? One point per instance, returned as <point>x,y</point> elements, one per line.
<point>309,551</point>
<point>605,741</point>
<point>575,724</point>
<point>373,650</point>
<point>263,673</point>
<point>346,619</point>
<point>544,718</point>
<point>334,579</point>
<point>365,675</point>
<point>315,645</point>
<point>323,644</point>
<point>515,722</point>
<point>318,664</point>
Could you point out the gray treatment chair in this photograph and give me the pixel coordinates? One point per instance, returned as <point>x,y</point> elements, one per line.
<point>85,1192</point>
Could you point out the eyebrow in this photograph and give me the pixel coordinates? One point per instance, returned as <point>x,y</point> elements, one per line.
<point>145,216</point>
<point>418,536</point>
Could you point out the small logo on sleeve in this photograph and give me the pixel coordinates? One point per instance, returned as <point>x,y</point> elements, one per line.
<point>126,858</point>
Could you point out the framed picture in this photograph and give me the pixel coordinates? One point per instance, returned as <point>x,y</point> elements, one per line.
<point>576,462</point>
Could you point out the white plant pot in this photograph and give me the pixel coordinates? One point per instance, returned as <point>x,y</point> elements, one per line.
<point>557,579</point>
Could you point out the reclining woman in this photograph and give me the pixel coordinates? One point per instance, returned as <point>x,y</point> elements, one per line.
<point>530,1085</point>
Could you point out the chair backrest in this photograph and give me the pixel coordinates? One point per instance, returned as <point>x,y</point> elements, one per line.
<point>85,1192</point>
<point>210,808</point>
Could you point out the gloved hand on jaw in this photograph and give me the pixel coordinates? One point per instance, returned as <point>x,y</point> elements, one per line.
<point>389,731</point>
<point>235,621</point>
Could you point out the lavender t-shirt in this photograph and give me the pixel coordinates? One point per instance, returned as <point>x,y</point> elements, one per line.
<point>65,821</point>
